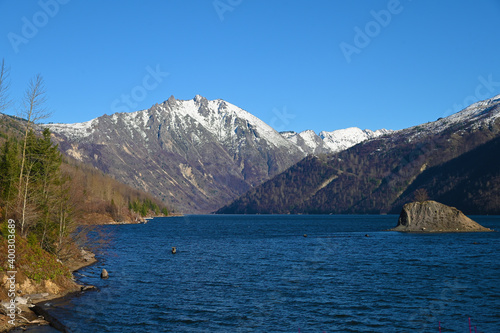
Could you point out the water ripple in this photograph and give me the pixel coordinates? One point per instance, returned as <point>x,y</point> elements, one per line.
<point>258,273</point>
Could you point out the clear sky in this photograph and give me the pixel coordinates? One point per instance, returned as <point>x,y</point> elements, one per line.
<point>297,65</point>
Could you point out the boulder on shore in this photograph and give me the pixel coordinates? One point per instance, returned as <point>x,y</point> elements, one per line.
<point>432,216</point>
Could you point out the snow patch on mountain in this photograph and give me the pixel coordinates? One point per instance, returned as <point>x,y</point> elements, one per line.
<point>224,121</point>
<point>331,142</point>
<point>76,130</point>
<point>310,138</point>
<point>478,113</point>
<point>345,138</point>
<point>221,118</point>
<point>474,116</point>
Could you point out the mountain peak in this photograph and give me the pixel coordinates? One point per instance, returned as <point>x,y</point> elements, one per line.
<point>200,99</point>
<point>330,142</point>
<point>171,100</point>
<point>196,153</point>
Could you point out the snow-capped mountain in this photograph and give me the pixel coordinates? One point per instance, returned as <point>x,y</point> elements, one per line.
<point>472,117</point>
<point>331,142</point>
<point>454,159</point>
<point>196,154</point>
<point>220,118</point>
<point>345,138</point>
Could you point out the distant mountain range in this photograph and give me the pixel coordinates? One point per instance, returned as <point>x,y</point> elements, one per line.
<point>456,160</point>
<point>197,155</point>
<point>330,142</point>
<point>92,197</point>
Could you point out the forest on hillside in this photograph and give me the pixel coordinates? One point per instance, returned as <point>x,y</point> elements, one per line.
<point>458,167</point>
<point>49,196</point>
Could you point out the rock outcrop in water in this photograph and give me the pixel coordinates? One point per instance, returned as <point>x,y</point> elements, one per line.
<point>432,216</point>
<point>104,274</point>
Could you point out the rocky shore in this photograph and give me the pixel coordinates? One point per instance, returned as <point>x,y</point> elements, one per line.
<point>31,295</point>
<point>103,219</point>
<point>432,216</point>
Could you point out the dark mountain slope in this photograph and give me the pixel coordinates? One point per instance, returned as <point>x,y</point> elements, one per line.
<point>196,155</point>
<point>375,176</point>
<point>470,181</point>
<point>281,194</point>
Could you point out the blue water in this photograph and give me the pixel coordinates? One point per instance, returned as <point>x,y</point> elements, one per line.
<point>260,274</point>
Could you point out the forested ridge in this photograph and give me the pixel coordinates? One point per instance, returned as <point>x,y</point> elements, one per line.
<point>457,166</point>
<point>49,204</point>
<point>470,181</point>
<point>48,195</point>
<point>55,193</point>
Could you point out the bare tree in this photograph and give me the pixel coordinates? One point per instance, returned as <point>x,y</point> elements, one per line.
<point>4,86</point>
<point>33,111</point>
<point>27,209</point>
<point>421,195</point>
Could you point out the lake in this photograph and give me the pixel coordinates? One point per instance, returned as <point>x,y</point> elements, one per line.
<point>289,273</point>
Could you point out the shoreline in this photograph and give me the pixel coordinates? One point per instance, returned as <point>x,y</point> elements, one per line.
<point>107,220</point>
<point>32,312</point>
<point>32,309</point>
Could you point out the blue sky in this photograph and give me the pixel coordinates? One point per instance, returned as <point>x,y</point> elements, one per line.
<point>320,65</point>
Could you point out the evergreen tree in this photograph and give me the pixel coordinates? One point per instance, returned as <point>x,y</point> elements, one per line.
<point>46,160</point>
<point>9,171</point>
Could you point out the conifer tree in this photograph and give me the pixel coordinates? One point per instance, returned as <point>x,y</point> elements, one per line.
<point>9,171</point>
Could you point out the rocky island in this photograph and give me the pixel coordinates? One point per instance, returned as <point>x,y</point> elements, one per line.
<point>432,216</point>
